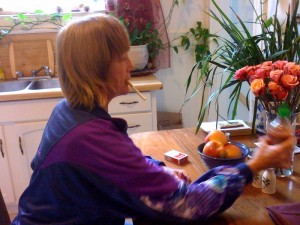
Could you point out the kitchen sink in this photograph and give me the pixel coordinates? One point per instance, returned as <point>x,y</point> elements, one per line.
<point>44,84</point>
<point>18,85</point>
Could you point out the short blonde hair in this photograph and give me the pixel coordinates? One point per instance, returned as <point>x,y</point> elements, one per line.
<point>84,52</point>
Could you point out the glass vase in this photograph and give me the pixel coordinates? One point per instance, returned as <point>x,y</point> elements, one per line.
<point>260,119</point>
<point>269,117</point>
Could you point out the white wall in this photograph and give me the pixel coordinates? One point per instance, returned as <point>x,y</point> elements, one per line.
<point>173,79</point>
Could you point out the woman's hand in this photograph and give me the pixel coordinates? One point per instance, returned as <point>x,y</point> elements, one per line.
<point>178,174</point>
<point>272,156</point>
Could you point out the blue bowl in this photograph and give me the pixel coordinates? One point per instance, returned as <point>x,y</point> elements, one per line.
<point>212,162</point>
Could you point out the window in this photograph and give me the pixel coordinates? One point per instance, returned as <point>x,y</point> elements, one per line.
<point>49,6</point>
<point>244,9</point>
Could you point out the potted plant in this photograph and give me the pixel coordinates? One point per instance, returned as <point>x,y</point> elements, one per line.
<point>143,32</point>
<point>145,43</point>
<point>275,42</point>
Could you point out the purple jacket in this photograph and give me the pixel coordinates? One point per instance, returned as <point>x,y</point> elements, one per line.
<point>88,171</point>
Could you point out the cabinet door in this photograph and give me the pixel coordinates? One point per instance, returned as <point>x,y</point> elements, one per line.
<point>22,141</point>
<point>6,184</point>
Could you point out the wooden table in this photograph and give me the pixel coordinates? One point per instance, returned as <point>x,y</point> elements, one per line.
<point>250,208</point>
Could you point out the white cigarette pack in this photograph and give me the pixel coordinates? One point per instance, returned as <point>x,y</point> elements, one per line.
<point>176,157</point>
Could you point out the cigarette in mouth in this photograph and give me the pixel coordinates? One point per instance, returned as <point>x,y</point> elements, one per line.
<point>136,90</point>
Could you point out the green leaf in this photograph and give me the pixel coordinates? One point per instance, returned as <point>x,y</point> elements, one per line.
<point>67,16</point>
<point>175,49</point>
<point>21,16</point>
<point>38,11</point>
<point>185,41</point>
<point>268,22</point>
<point>192,30</point>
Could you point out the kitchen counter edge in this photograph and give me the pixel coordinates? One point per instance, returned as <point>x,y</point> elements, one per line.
<point>142,83</point>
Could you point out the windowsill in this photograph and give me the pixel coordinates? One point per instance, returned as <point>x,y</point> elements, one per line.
<point>43,28</point>
<point>8,14</point>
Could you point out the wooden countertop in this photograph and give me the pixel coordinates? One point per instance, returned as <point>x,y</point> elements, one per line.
<point>250,207</point>
<point>142,83</point>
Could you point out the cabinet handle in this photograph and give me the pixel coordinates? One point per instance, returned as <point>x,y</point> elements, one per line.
<point>128,103</point>
<point>1,149</point>
<point>20,145</point>
<point>134,126</point>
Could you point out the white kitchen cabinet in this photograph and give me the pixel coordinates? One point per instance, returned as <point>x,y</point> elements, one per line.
<point>22,140</point>
<point>22,124</point>
<point>139,114</point>
<point>6,184</point>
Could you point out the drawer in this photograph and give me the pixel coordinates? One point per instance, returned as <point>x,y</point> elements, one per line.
<point>139,122</point>
<point>130,103</point>
<point>27,110</point>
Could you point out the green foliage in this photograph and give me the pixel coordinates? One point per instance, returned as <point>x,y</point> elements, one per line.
<point>148,35</point>
<point>197,38</point>
<point>275,42</point>
<point>140,34</point>
<point>25,23</point>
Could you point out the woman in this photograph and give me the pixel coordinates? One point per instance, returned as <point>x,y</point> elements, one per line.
<point>88,171</point>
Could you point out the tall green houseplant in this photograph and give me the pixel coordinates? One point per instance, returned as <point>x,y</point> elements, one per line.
<point>275,42</point>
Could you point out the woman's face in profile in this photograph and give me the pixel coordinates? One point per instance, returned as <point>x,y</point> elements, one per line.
<point>118,75</point>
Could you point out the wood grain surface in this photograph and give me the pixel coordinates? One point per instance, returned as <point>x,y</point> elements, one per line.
<point>250,208</point>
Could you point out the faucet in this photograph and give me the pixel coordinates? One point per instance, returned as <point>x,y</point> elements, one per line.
<point>47,71</point>
<point>19,74</point>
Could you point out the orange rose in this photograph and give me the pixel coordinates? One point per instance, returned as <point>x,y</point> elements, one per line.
<point>258,86</point>
<point>281,93</point>
<point>287,66</point>
<point>275,75</point>
<point>273,87</point>
<point>293,70</point>
<point>289,81</point>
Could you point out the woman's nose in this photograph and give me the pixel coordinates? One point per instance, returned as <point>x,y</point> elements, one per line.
<point>131,65</point>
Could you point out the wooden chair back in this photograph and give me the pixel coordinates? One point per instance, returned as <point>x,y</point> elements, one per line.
<point>4,217</point>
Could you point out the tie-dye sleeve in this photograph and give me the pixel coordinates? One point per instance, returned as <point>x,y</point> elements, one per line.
<point>211,194</point>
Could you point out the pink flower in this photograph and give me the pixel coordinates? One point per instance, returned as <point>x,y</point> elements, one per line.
<point>250,70</point>
<point>279,64</point>
<point>275,75</point>
<point>261,73</point>
<point>267,69</point>
<point>267,63</point>
<point>241,74</point>
<point>251,75</point>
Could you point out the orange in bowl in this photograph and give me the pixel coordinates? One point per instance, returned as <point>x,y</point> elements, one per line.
<point>216,135</point>
<point>233,157</point>
<point>232,151</point>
